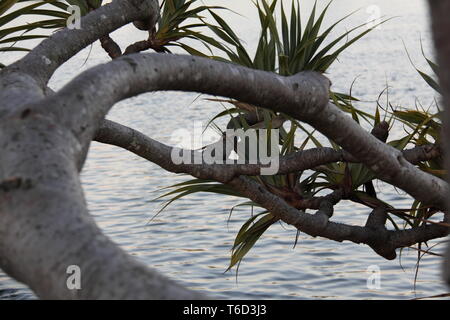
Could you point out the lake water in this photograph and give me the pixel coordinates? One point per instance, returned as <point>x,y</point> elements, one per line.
<point>191,240</point>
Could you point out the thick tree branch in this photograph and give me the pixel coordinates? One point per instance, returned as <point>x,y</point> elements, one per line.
<point>303,96</point>
<point>44,221</point>
<point>25,80</point>
<point>57,49</point>
<point>374,234</point>
<point>382,241</point>
<point>45,225</point>
<point>440,11</point>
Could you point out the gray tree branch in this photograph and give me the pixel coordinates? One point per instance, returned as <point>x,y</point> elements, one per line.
<point>25,80</point>
<point>44,222</point>
<point>374,234</point>
<point>127,138</point>
<point>43,60</point>
<point>440,11</point>
<point>303,96</point>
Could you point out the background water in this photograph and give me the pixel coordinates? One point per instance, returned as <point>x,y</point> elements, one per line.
<point>191,240</point>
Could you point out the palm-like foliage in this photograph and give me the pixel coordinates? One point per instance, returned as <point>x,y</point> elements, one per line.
<point>286,48</point>
<point>53,14</point>
<point>13,9</point>
<point>180,19</point>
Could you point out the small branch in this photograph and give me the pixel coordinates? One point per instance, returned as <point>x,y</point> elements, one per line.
<point>423,153</point>
<point>138,47</point>
<point>326,207</point>
<point>119,135</point>
<point>43,60</point>
<point>303,96</point>
<point>111,47</point>
<point>377,218</point>
<point>381,131</point>
<point>383,242</point>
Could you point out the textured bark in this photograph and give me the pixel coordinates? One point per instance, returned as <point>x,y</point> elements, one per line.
<point>44,222</point>
<point>373,233</point>
<point>440,12</point>
<point>127,138</point>
<point>304,96</point>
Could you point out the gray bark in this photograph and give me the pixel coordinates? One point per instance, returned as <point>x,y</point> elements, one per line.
<point>440,12</point>
<point>303,96</point>
<point>44,222</point>
<point>374,234</point>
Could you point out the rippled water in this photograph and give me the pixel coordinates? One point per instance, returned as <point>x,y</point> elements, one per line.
<point>191,240</point>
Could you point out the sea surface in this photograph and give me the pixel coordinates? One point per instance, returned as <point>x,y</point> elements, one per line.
<point>190,241</point>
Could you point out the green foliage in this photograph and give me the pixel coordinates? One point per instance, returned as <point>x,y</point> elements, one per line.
<point>249,233</point>
<point>289,47</point>
<point>285,49</point>
<point>429,79</point>
<point>10,10</point>
<point>180,19</point>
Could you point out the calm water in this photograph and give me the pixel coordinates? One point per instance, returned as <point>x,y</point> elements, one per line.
<point>191,240</point>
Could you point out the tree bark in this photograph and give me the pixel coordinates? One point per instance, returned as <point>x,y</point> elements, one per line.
<point>440,13</point>
<point>44,223</point>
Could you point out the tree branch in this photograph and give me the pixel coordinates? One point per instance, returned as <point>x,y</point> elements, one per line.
<point>423,153</point>
<point>374,234</point>
<point>25,80</point>
<point>110,46</point>
<point>303,96</point>
<point>440,11</point>
<point>383,242</point>
<point>43,60</point>
<point>119,135</point>
<point>45,226</point>
<point>44,221</point>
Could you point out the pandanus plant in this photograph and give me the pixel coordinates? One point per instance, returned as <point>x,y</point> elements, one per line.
<point>10,10</point>
<point>180,20</point>
<point>285,47</point>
